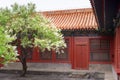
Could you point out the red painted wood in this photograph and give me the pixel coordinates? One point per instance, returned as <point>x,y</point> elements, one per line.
<point>117,50</point>
<point>81,53</point>
<point>76,44</point>
<point>36,55</point>
<point>112,47</point>
<point>69,39</point>
<point>1,65</point>
<point>116,47</point>
<point>72,52</point>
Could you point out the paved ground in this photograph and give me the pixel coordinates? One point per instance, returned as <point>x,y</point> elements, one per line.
<point>5,76</point>
<point>54,68</point>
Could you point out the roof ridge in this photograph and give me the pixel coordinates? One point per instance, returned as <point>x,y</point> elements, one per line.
<point>68,11</point>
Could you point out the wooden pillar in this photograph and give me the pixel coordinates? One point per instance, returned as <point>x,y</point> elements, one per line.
<point>72,52</point>
<point>117,48</point>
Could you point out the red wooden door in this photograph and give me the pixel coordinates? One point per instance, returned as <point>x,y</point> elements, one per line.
<point>81,53</point>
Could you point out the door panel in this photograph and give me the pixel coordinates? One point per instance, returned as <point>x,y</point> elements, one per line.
<point>81,54</point>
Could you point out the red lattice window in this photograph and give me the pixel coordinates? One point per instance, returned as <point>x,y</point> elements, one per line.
<point>64,56</point>
<point>99,50</point>
<point>46,55</point>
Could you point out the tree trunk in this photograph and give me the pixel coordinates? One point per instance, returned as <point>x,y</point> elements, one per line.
<point>24,67</point>
<point>23,58</point>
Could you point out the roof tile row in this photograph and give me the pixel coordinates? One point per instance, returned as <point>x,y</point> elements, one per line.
<point>72,19</point>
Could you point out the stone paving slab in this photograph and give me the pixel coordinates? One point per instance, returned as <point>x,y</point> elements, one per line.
<point>60,68</point>
<point>6,76</point>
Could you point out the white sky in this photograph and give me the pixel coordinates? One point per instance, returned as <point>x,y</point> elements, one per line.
<point>47,5</point>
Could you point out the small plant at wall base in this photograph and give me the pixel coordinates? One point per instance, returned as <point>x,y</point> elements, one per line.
<point>32,30</point>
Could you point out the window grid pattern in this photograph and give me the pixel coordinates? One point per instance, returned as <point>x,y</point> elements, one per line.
<point>99,50</point>
<point>63,56</point>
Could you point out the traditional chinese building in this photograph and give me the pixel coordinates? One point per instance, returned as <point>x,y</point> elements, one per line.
<point>86,43</point>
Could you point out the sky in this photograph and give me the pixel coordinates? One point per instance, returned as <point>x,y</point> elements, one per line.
<point>48,5</point>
